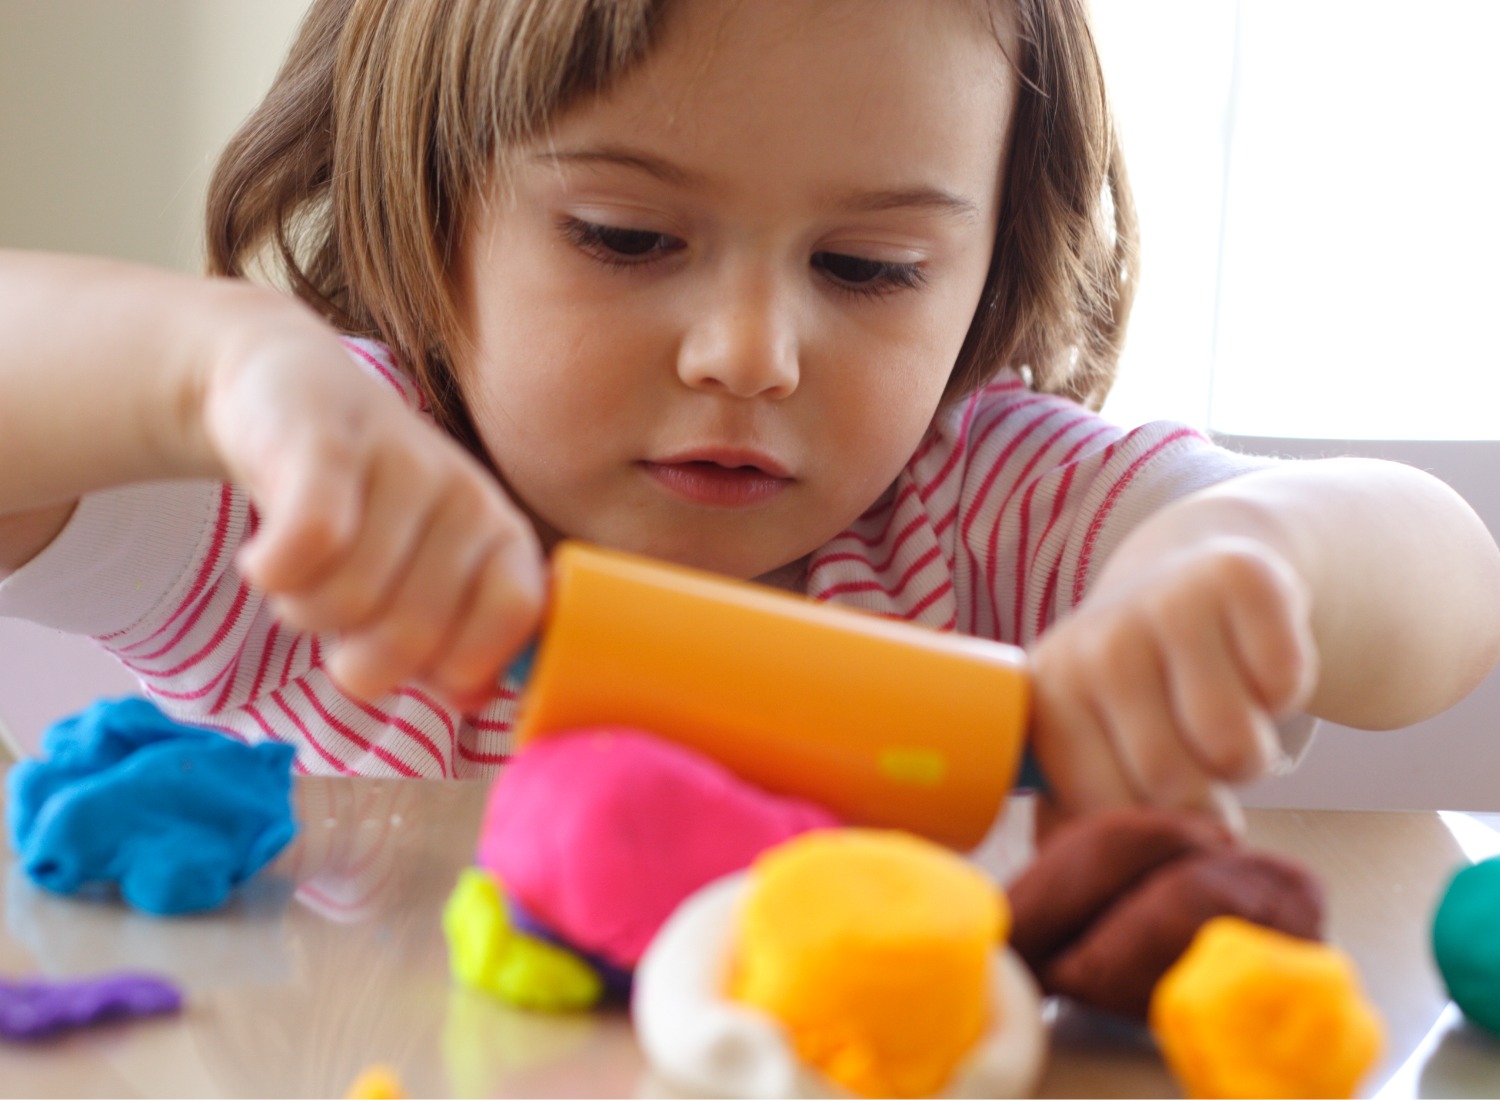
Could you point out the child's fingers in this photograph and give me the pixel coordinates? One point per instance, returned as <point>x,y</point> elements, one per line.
<point>1269,628</point>
<point>1135,711</point>
<point>499,615</point>
<point>1071,743</point>
<point>307,521</point>
<point>355,586</point>
<point>1224,724</point>
<point>412,627</point>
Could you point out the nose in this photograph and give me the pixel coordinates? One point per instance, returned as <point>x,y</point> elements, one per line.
<point>742,342</point>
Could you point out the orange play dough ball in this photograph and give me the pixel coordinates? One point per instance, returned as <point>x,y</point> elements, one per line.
<point>873,949</point>
<point>1248,1011</point>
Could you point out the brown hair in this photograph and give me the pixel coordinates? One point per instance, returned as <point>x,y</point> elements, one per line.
<point>350,180</point>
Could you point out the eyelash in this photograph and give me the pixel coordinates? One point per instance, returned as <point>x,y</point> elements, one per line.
<point>885,277</point>
<point>611,245</point>
<point>603,242</point>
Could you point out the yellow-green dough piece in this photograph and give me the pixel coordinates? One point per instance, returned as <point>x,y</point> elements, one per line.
<point>1466,942</point>
<point>486,952</point>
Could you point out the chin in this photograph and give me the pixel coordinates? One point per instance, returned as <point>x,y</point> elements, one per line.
<point>721,553</point>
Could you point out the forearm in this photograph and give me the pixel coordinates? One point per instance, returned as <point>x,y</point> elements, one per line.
<point>98,377</point>
<point>1402,577</point>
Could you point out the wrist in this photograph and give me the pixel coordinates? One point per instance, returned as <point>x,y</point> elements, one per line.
<point>1216,520</point>
<point>200,324</point>
<point>221,367</point>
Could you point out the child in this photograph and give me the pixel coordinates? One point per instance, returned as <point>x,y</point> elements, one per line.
<point>820,292</point>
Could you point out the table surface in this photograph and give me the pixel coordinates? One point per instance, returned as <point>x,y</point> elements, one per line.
<point>334,960</point>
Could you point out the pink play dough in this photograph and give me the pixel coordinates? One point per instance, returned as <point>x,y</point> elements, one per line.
<point>600,834</point>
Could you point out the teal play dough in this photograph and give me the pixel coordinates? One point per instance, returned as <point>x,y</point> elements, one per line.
<point>1466,942</point>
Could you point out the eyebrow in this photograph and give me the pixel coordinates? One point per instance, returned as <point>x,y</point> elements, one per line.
<point>932,199</point>
<point>655,167</point>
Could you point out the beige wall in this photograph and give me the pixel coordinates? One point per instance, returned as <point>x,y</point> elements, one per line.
<point>112,111</point>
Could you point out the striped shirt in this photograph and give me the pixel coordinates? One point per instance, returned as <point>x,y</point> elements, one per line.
<point>995,528</point>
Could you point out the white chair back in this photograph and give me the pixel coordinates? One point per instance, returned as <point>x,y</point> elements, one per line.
<point>1448,762</point>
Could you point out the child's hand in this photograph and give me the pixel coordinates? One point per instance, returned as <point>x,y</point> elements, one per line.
<point>1165,683</point>
<point>374,523</point>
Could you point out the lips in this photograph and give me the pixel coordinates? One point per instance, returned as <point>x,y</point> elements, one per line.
<point>727,479</point>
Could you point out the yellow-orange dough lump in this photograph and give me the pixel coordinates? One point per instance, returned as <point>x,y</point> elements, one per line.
<point>873,950</point>
<point>1248,1011</point>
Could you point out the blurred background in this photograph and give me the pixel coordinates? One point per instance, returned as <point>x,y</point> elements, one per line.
<point>112,113</point>
<point>1316,188</point>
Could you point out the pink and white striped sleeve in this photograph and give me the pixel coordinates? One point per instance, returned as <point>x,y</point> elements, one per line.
<point>148,571</point>
<point>1050,489</point>
<point>1003,516</point>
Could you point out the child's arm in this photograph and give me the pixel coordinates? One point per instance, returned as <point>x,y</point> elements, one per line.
<point>1365,592</point>
<point>373,522</point>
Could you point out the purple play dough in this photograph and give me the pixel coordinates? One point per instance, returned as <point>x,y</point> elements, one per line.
<point>36,1007</point>
<point>617,979</point>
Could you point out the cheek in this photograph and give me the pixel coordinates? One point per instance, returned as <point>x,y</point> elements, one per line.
<point>536,370</point>
<point>887,414</point>
<point>523,409</point>
<point>919,369</point>
<point>542,351</point>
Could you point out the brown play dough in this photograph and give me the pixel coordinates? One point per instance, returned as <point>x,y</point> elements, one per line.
<point>1113,898</point>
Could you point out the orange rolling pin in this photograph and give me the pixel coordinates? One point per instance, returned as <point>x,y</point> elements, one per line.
<point>886,723</point>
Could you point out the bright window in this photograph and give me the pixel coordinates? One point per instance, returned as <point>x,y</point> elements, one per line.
<point>1317,185</point>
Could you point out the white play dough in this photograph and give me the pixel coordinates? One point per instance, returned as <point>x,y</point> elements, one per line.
<point>702,1042</point>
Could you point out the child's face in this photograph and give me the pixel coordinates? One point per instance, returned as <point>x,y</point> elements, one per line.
<point>714,314</point>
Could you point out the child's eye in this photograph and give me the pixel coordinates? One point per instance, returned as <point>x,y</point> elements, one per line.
<point>862,276</point>
<point>616,245</point>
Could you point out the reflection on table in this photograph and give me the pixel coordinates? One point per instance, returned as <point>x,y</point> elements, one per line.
<point>334,959</point>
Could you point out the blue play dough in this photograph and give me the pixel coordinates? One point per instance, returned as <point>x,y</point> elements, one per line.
<point>520,667</point>
<point>174,815</point>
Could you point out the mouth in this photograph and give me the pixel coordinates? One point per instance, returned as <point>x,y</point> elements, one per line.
<point>726,479</point>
